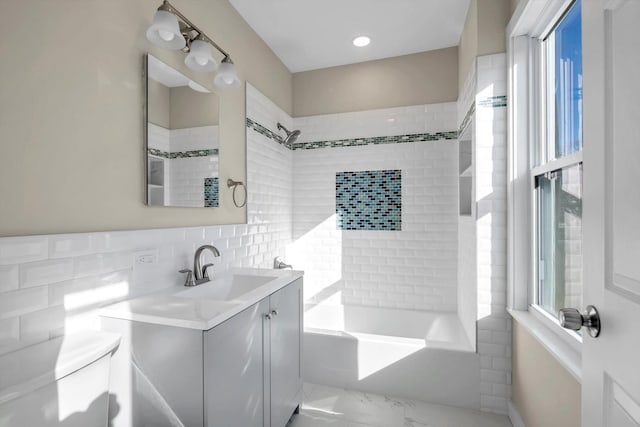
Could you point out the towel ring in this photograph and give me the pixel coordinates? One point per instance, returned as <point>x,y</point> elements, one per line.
<point>235,185</point>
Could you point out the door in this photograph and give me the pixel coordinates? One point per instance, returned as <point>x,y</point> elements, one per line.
<point>286,375</point>
<point>611,211</point>
<point>234,370</point>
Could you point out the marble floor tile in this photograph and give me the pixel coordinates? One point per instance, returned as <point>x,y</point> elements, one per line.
<point>335,407</point>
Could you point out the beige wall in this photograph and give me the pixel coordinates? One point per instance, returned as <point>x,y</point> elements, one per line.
<point>193,109</point>
<point>71,98</point>
<point>483,33</point>
<point>421,78</point>
<point>493,17</point>
<point>468,48</point>
<point>159,107</point>
<point>544,393</point>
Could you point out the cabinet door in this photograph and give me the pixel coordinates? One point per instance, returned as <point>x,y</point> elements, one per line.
<point>285,351</point>
<point>234,370</point>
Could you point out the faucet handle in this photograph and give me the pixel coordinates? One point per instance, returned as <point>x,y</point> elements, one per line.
<point>189,280</point>
<point>204,270</point>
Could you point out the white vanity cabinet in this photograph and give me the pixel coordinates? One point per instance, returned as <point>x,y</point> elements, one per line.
<point>285,351</point>
<point>245,371</point>
<point>253,363</point>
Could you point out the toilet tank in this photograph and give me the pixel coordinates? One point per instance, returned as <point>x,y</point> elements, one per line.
<point>60,382</point>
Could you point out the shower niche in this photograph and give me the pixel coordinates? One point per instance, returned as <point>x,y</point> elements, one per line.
<point>465,171</point>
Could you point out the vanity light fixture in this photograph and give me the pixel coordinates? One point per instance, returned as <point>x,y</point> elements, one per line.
<point>361,41</point>
<point>170,29</point>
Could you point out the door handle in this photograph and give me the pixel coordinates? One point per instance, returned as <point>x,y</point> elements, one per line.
<point>571,318</point>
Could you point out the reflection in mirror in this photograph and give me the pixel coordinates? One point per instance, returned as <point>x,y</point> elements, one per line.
<point>182,139</point>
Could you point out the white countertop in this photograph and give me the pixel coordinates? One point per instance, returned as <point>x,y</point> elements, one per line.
<point>201,307</point>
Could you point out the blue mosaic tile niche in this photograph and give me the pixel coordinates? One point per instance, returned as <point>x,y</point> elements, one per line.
<point>211,193</point>
<point>369,200</point>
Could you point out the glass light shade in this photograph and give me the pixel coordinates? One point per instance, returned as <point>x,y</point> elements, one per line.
<point>200,57</point>
<point>165,31</point>
<point>227,76</point>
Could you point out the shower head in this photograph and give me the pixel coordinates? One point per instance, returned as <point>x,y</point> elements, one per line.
<point>291,137</point>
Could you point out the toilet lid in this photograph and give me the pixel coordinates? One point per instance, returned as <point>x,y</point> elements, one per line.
<point>33,367</point>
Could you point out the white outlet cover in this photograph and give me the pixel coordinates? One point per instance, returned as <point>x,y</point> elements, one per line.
<point>146,257</point>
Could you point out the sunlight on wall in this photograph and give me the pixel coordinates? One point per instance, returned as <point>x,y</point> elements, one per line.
<point>486,271</point>
<point>319,253</point>
<point>98,295</point>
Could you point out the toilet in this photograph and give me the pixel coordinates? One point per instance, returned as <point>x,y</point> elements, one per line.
<point>60,382</point>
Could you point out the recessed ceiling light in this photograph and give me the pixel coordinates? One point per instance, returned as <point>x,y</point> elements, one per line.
<point>361,41</point>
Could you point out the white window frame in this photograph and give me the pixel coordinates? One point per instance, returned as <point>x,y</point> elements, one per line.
<point>532,20</point>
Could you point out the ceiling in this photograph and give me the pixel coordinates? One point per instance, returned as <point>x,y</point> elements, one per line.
<point>170,77</point>
<point>313,34</point>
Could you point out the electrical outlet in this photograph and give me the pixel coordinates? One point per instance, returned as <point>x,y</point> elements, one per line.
<point>149,257</point>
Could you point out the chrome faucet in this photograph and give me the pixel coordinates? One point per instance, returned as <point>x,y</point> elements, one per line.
<point>200,275</point>
<point>200,272</point>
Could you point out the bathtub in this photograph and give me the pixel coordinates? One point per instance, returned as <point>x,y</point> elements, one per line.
<point>403,353</point>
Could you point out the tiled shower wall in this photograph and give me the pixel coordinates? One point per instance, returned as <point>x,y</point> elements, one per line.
<point>191,155</point>
<point>414,268</point>
<point>56,283</point>
<point>486,232</point>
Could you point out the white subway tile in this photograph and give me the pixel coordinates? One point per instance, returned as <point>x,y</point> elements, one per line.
<point>22,301</point>
<point>9,331</point>
<point>45,272</point>
<point>42,321</point>
<point>101,263</point>
<point>14,250</point>
<point>8,278</point>
<point>69,245</point>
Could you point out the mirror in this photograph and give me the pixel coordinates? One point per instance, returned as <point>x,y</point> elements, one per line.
<point>181,119</point>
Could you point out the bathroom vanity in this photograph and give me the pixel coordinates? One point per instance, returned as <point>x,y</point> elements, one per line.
<point>225,353</point>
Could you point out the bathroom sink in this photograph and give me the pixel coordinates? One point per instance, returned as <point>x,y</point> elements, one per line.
<point>226,288</point>
<point>204,306</point>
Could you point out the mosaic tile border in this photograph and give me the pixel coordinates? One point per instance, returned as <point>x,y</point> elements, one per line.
<point>376,140</point>
<point>182,154</point>
<point>354,142</point>
<point>265,131</point>
<point>467,119</point>
<point>493,101</point>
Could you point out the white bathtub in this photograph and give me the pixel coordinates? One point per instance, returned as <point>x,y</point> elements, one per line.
<point>404,353</point>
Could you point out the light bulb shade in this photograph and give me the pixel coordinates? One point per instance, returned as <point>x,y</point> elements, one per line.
<point>200,57</point>
<point>227,76</point>
<point>165,31</point>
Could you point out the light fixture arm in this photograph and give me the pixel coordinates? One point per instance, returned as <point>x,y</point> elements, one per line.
<point>189,26</point>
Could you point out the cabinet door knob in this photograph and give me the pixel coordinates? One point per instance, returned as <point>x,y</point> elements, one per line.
<point>267,316</point>
<point>274,312</point>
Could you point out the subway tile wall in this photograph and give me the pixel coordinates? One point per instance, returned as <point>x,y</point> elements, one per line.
<point>184,176</point>
<point>494,323</point>
<point>186,179</point>
<point>414,268</point>
<point>56,283</point>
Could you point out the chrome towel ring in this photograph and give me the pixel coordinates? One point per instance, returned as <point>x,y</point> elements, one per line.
<point>235,185</point>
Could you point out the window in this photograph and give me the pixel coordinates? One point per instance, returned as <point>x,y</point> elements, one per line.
<point>557,173</point>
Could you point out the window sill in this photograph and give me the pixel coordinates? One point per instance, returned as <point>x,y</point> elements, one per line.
<point>561,348</point>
